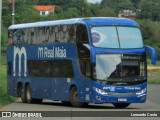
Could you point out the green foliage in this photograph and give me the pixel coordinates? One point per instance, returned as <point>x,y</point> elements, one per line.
<point>136,3</point>
<point>6,13</point>
<point>150,32</point>
<point>154,76</point>
<point>93,10</point>
<point>4,36</point>
<point>149,10</point>
<point>157,47</point>
<point>4,97</point>
<point>25,14</point>
<point>71,12</point>
<point>117,5</point>
<point>106,12</point>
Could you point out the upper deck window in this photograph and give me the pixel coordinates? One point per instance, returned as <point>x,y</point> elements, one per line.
<point>43,35</point>
<point>116,37</point>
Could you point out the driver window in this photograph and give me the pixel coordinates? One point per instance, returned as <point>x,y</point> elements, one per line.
<point>81,34</point>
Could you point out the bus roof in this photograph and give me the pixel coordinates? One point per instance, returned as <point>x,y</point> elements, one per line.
<point>87,21</point>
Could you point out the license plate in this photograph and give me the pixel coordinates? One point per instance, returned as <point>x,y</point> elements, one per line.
<point>122,100</point>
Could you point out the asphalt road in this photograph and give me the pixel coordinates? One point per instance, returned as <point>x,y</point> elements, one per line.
<point>152,104</point>
<point>154,93</point>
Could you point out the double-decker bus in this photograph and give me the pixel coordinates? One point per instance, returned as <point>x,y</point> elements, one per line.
<point>78,61</point>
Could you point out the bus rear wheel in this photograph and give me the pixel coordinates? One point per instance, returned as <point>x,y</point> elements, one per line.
<point>74,98</point>
<point>23,95</point>
<point>29,98</point>
<point>65,103</point>
<point>28,94</point>
<point>121,105</point>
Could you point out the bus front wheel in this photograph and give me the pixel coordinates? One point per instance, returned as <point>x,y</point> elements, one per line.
<point>121,105</point>
<point>74,98</point>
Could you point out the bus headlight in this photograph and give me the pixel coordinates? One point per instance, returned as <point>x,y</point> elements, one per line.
<point>100,91</point>
<point>141,91</point>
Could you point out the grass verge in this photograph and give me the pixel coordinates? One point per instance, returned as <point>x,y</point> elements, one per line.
<point>154,76</point>
<point>4,97</point>
<point>153,72</point>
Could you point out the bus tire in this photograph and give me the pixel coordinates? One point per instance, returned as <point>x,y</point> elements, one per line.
<point>38,101</point>
<point>28,94</point>
<point>121,105</point>
<point>73,95</point>
<point>23,95</point>
<point>65,103</point>
<point>29,98</point>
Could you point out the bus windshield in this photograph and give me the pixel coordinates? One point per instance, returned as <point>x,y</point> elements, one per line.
<point>116,37</point>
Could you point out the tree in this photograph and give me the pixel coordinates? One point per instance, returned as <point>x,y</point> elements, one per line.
<point>149,10</point>
<point>150,32</point>
<point>136,3</point>
<point>117,5</point>
<point>106,12</point>
<point>23,13</point>
<point>71,8</point>
<point>6,13</point>
<point>72,12</point>
<point>26,13</point>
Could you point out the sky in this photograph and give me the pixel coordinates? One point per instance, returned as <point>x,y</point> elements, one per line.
<point>94,1</point>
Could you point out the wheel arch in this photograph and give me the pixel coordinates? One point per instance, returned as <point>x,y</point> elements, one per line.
<point>27,83</point>
<point>73,85</point>
<point>21,85</point>
<point>19,88</point>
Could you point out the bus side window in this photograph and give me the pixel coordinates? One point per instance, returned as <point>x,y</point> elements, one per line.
<point>81,34</point>
<point>20,37</point>
<point>62,68</point>
<point>48,68</point>
<point>31,39</point>
<point>25,36</point>
<point>71,33</point>
<point>15,37</point>
<point>10,38</point>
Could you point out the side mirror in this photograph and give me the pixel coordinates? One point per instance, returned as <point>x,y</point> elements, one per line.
<point>153,54</point>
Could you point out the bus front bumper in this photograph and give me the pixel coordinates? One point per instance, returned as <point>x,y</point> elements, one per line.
<point>113,97</point>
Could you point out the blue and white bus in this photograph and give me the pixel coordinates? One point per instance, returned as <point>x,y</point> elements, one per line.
<point>78,61</point>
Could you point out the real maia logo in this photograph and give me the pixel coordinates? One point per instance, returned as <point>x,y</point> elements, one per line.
<point>45,52</point>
